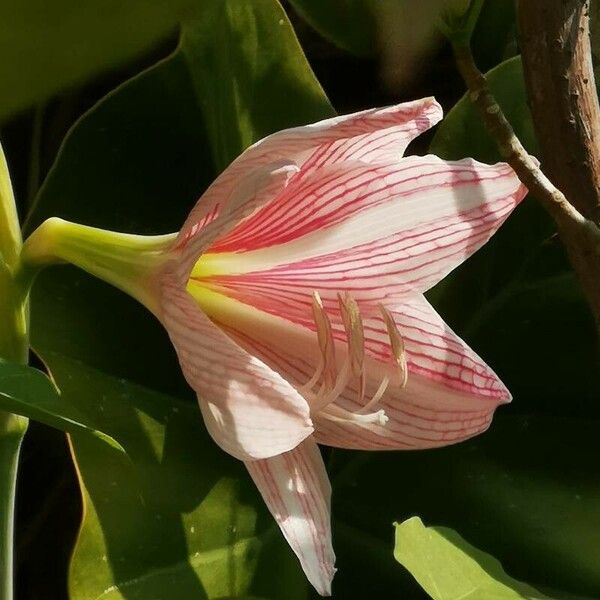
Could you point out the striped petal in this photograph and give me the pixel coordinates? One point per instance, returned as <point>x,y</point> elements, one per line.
<point>379,231</point>
<point>258,187</point>
<point>371,135</point>
<point>250,410</point>
<point>450,396</point>
<point>297,491</point>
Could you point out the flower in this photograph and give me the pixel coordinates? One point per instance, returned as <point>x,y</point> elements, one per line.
<point>294,299</point>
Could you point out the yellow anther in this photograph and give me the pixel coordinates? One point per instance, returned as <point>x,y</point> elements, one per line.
<point>326,342</point>
<point>396,343</point>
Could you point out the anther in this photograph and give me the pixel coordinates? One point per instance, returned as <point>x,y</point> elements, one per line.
<point>356,339</point>
<point>396,343</point>
<point>326,342</point>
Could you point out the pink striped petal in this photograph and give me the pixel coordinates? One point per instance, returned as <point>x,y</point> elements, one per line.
<point>371,135</point>
<point>250,410</point>
<point>451,393</point>
<point>296,489</point>
<point>380,231</point>
<point>258,187</point>
<point>413,424</point>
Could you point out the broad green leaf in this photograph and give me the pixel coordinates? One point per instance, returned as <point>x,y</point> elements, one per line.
<point>350,24</point>
<point>137,162</point>
<point>28,392</point>
<point>243,89</point>
<point>526,492</point>
<point>177,517</point>
<point>449,568</point>
<point>49,46</point>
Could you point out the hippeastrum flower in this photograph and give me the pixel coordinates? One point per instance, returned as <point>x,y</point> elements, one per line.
<point>293,295</point>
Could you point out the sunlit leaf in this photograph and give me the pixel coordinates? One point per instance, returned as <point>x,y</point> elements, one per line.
<point>449,568</point>
<point>49,46</point>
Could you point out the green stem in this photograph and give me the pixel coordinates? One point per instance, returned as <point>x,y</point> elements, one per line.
<point>14,346</point>
<point>12,430</point>
<point>124,260</point>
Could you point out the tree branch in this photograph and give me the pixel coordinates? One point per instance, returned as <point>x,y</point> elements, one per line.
<point>557,62</point>
<point>580,235</point>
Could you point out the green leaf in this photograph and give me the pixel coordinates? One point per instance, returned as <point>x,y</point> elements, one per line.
<point>348,23</point>
<point>49,46</point>
<point>137,162</point>
<point>525,492</point>
<point>241,80</point>
<point>177,517</point>
<point>449,568</point>
<point>28,392</point>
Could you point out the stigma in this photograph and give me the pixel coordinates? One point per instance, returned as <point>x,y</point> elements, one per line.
<point>331,378</point>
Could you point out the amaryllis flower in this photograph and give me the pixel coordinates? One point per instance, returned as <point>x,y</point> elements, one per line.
<point>294,298</point>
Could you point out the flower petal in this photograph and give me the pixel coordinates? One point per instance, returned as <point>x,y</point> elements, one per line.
<point>451,394</point>
<point>370,135</point>
<point>297,491</point>
<point>380,232</point>
<point>255,189</point>
<point>250,410</point>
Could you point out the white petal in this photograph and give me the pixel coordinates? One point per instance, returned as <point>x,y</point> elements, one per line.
<point>296,489</point>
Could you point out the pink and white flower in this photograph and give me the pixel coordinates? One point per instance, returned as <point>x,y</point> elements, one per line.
<point>294,298</point>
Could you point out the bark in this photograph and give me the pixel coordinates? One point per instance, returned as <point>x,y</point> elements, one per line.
<point>557,62</point>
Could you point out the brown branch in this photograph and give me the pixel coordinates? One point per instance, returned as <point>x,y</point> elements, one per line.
<point>580,235</point>
<point>509,146</point>
<point>557,62</point>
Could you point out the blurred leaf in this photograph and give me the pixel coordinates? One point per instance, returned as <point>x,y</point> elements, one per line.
<point>49,46</point>
<point>183,516</point>
<point>517,301</point>
<point>448,568</point>
<point>348,23</point>
<point>526,492</point>
<point>28,392</point>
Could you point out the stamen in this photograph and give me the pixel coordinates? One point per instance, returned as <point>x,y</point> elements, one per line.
<point>310,384</point>
<point>354,332</point>
<point>355,335</point>
<point>327,397</point>
<point>383,386</point>
<point>341,415</point>
<point>326,342</point>
<point>397,344</point>
<point>331,383</point>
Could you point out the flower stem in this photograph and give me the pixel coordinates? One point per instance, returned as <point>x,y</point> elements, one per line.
<point>14,346</point>
<point>124,260</point>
